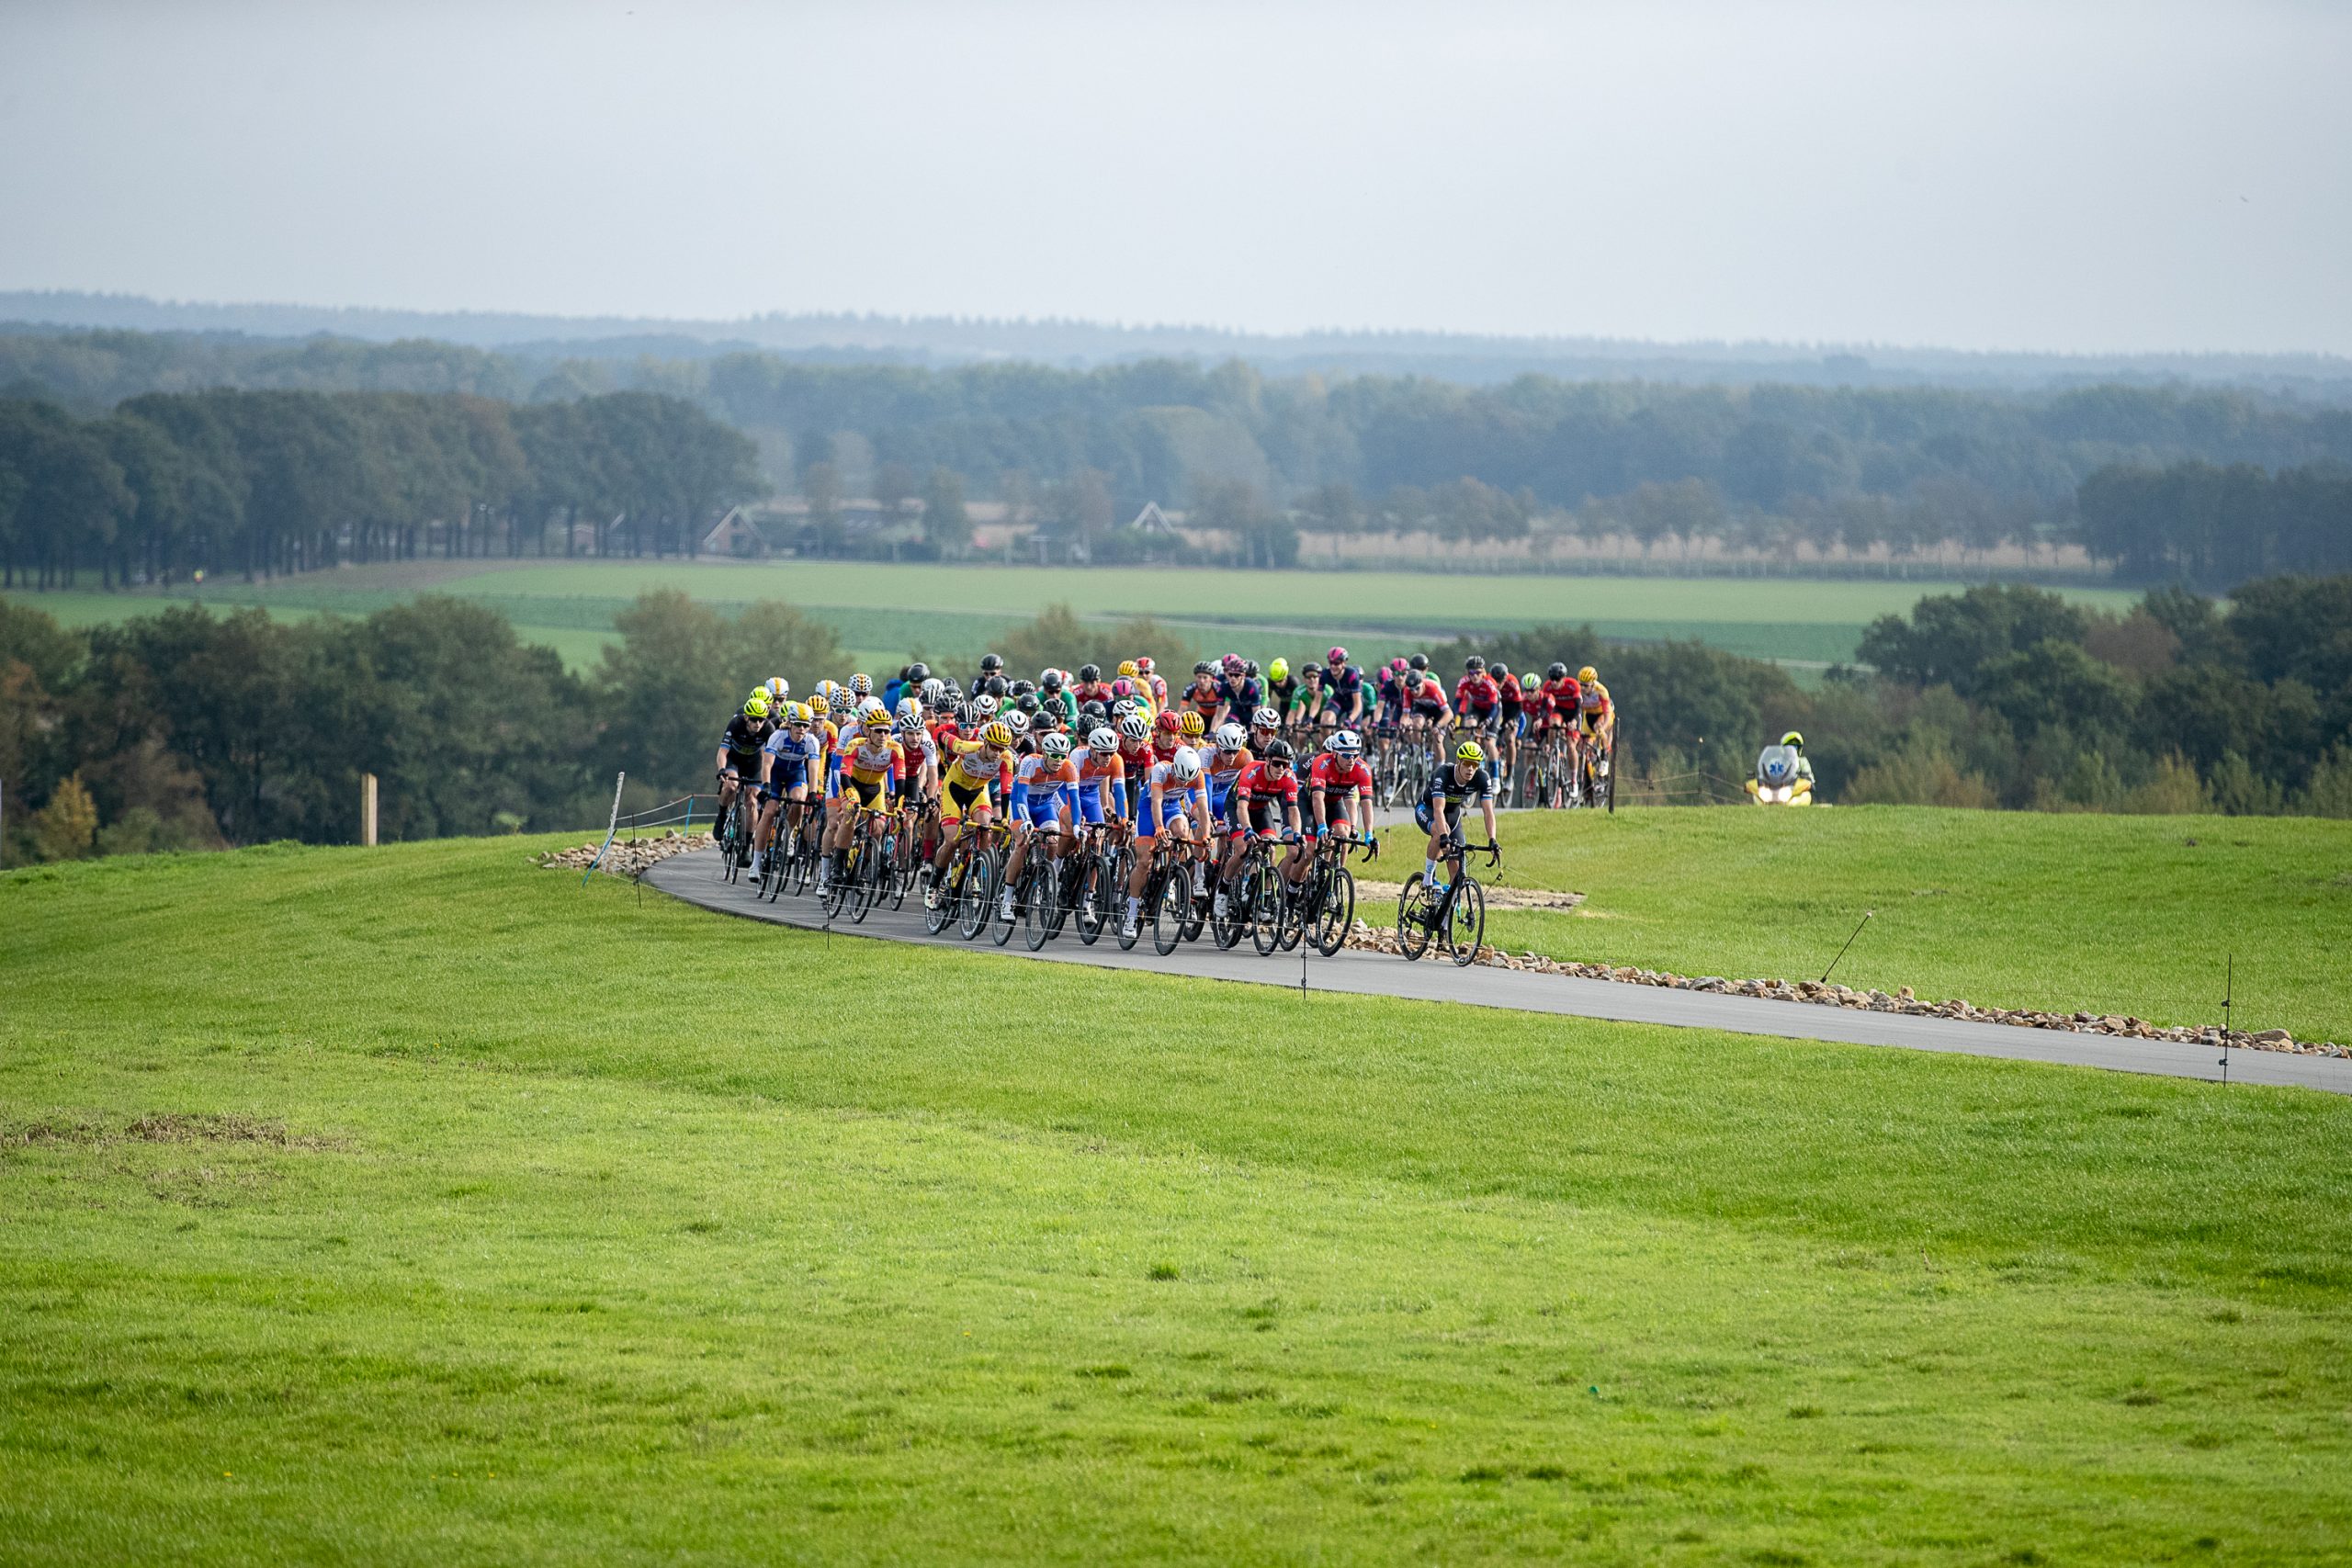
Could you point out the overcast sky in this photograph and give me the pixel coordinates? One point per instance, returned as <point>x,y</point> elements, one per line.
<point>1979,174</point>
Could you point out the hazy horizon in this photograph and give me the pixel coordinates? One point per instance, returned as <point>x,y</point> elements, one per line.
<point>1992,178</point>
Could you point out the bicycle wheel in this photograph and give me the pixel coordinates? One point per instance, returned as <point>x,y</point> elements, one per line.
<point>937,912</point>
<point>866,886</point>
<point>1413,917</point>
<point>1466,925</point>
<point>1172,910</point>
<point>1038,916</point>
<point>1097,891</point>
<point>1226,929</point>
<point>1338,914</point>
<point>730,832</point>
<point>1000,929</point>
<point>1261,893</point>
<point>829,897</point>
<point>1128,939</point>
<point>972,901</point>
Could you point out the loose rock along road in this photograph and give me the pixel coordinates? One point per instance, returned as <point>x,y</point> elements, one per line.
<point>694,878</point>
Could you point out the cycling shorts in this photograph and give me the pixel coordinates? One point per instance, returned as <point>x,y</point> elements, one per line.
<point>1090,804</point>
<point>961,797</point>
<point>1484,718</point>
<point>787,773</point>
<point>1430,710</point>
<point>1043,808</point>
<point>867,790</point>
<point>1148,822</point>
<point>1262,816</point>
<point>746,768</point>
<point>1336,809</point>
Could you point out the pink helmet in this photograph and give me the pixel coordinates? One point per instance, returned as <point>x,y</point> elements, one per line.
<point>1398,664</point>
<point>1123,687</point>
<point>1337,655</point>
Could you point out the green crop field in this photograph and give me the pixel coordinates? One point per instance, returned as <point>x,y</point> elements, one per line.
<point>416,1205</point>
<point>2135,915</point>
<point>953,612</point>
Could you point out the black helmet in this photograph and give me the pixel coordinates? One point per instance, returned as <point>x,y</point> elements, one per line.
<point>995,686</point>
<point>1089,674</point>
<point>1203,668</point>
<point>990,663</point>
<point>1092,708</point>
<point>1023,688</point>
<point>1472,664</point>
<point>1279,752</point>
<point>918,672</point>
<point>1053,681</point>
<point>1501,669</point>
<point>1419,661</point>
<point>1555,670</point>
<point>1027,702</point>
<point>1249,668</point>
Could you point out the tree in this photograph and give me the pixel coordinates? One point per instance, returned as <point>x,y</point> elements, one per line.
<point>67,827</point>
<point>946,523</point>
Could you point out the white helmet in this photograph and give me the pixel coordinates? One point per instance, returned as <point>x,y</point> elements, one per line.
<point>985,705</point>
<point>1185,766</point>
<point>1231,737</point>
<point>1104,738</point>
<point>870,705</point>
<point>861,683</point>
<point>778,688</point>
<point>1134,726</point>
<point>935,691</point>
<point>1017,720</point>
<point>908,722</point>
<point>1346,743</point>
<point>909,708</point>
<point>1266,718</point>
<point>1055,745</point>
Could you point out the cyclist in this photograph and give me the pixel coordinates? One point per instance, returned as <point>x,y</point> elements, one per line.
<point>792,753</point>
<point>1173,801</point>
<point>1426,710</point>
<point>1440,811</point>
<point>1344,702</point>
<point>1265,801</point>
<point>1306,710</point>
<point>975,768</point>
<point>1043,785</point>
<point>1150,679</point>
<point>1595,716</point>
<point>1477,702</point>
<point>741,747</point>
<point>1265,725</point>
<point>1564,693</point>
<point>1339,789</point>
<point>1221,768</point>
<point>872,765</point>
<point>1243,690</point>
<point>1052,689</point>
<point>1101,778</point>
<point>1279,687</point>
<point>1388,691</point>
<point>1206,695</point>
<point>1514,715</point>
<point>1091,686</point>
<point>991,669</point>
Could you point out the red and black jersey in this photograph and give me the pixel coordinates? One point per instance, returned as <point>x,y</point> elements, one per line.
<point>1478,691</point>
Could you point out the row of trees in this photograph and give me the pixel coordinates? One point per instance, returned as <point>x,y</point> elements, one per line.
<point>187,730</point>
<point>1905,468</point>
<point>270,482</point>
<point>2213,526</point>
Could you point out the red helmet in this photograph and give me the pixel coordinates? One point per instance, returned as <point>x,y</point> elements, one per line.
<point>1142,664</point>
<point>1170,722</point>
<point>1337,655</point>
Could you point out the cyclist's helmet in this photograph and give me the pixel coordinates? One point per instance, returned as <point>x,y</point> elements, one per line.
<point>817,707</point>
<point>918,672</point>
<point>910,722</point>
<point>1017,720</point>
<point>1278,753</point>
<point>1170,723</point>
<point>1528,682</point>
<point>909,709</point>
<point>876,719</point>
<point>1089,674</point>
<point>1501,670</point>
<point>1249,668</point>
<point>1103,738</point>
<point>1279,670</point>
<point>1127,668</point>
<point>1124,706</point>
<point>1231,737</point>
<point>1194,725</point>
<point>985,705</point>
<point>1027,702</point>
<point>1469,751</point>
<point>1023,688</point>
<point>1050,681</point>
<point>1346,743</point>
<point>1398,664</point>
<point>1473,665</point>
<point>1133,726</point>
<point>935,691</point>
<point>1185,766</point>
<point>861,683</point>
<point>996,687</point>
<point>1055,745</point>
<point>1337,655</point>
<point>756,706</point>
<point>1232,666</point>
<point>1794,738</point>
<point>1265,718</point>
<point>1092,711</point>
<point>797,713</point>
<point>1143,665</point>
<point>1588,675</point>
<point>1122,688</point>
<point>778,689</point>
<point>1555,670</point>
<point>998,735</point>
<point>1203,668</point>
<point>1419,661</point>
<point>990,663</point>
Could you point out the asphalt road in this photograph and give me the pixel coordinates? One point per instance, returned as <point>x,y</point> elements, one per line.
<point>694,878</point>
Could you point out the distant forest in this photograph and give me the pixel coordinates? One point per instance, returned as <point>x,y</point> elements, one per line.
<point>2205,486</point>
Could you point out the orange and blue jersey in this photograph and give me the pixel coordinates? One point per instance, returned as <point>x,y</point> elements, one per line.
<point>1102,775</point>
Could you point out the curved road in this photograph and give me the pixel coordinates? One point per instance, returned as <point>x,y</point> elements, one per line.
<point>694,878</point>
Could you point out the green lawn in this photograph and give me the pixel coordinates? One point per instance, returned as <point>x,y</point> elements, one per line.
<point>417,1205</point>
<point>955,612</point>
<point>2115,914</point>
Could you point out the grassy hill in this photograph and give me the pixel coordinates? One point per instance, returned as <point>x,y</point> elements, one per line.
<point>416,1204</point>
<point>2136,914</point>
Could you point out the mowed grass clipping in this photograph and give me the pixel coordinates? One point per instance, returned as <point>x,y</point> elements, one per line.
<point>418,1205</point>
<point>2133,915</point>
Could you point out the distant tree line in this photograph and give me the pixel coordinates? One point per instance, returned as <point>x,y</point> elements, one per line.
<point>1764,465</point>
<point>268,482</point>
<point>2213,526</point>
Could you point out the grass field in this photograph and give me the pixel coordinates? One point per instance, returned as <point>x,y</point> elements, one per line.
<point>417,1205</point>
<point>953,612</point>
<point>2135,915</point>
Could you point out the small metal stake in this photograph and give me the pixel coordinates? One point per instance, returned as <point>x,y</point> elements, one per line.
<point>2229,985</point>
<point>1849,942</point>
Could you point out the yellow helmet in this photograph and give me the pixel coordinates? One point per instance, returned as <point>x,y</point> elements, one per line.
<point>1193,724</point>
<point>1794,738</point>
<point>1588,675</point>
<point>878,718</point>
<point>1127,668</point>
<point>817,707</point>
<point>756,706</point>
<point>1469,751</point>
<point>998,734</point>
<point>797,713</point>
<point>1278,670</point>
